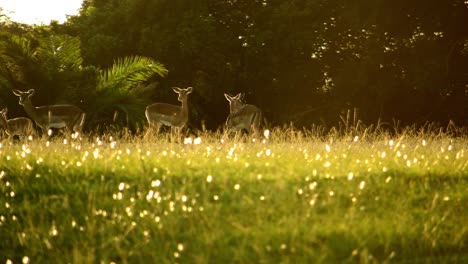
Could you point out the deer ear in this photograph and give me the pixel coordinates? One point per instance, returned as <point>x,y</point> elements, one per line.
<point>31,91</point>
<point>228,97</point>
<point>189,90</point>
<point>176,89</point>
<point>16,92</point>
<point>241,97</point>
<point>4,110</point>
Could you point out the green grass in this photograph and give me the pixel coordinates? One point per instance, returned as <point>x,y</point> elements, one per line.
<point>296,197</point>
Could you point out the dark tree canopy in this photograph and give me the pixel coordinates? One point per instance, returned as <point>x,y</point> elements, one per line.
<point>300,61</point>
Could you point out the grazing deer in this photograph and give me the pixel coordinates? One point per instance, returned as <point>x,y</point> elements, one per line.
<point>242,116</point>
<point>56,116</point>
<point>20,126</point>
<point>167,114</point>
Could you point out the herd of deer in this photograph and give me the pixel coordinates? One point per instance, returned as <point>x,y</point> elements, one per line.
<point>241,115</point>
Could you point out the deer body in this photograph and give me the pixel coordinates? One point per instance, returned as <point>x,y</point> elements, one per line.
<point>52,116</point>
<point>242,116</point>
<point>174,116</point>
<point>20,126</point>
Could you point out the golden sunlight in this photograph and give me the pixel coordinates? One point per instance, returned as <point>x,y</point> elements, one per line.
<point>39,12</point>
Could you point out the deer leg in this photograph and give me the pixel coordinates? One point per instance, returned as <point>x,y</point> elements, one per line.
<point>78,127</point>
<point>153,126</point>
<point>148,131</point>
<point>68,129</point>
<point>29,130</point>
<point>225,133</point>
<point>8,135</point>
<point>174,133</point>
<point>171,135</point>
<point>158,127</point>
<point>45,131</point>
<point>180,132</point>
<point>236,134</point>
<point>76,130</point>
<point>256,124</point>
<point>254,129</point>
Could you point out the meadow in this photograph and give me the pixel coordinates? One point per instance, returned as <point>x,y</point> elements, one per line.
<point>291,196</point>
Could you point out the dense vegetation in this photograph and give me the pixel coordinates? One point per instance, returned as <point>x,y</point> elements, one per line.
<point>293,197</point>
<point>300,61</point>
<point>334,192</point>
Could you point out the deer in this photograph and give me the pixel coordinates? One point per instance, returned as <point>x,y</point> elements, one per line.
<point>58,116</point>
<point>20,126</point>
<point>242,115</point>
<point>174,116</point>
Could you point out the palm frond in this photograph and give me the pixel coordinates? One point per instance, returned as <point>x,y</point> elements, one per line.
<point>16,48</point>
<point>16,57</point>
<point>128,72</point>
<point>60,52</point>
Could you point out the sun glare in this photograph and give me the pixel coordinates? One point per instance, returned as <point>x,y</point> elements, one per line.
<point>39,12</point>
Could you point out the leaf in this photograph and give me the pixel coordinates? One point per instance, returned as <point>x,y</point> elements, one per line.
<point>120,89</point>
<point>60,52</point>
<point>128,72</point>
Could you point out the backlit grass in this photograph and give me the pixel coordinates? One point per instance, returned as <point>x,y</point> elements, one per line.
<point>290,197</point>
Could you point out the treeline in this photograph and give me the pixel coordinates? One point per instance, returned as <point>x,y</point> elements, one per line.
<point>301,61</point>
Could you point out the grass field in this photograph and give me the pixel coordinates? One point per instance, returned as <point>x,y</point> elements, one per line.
<point>294,197</point>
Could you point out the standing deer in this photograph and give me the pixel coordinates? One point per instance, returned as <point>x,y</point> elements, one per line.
<point>167,114</point>
<point>242,116</point>
<point>57,116</point>
<point>20,126</point>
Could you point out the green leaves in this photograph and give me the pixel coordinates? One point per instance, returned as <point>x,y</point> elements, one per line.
<point>128,72</point>
<point>50,64</point>
<point>60,52</point>
<point>121,93</point>
<point>53,65</point>
<point>16,58</point>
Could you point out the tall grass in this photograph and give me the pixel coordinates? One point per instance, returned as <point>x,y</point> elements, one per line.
<point>354,194</point>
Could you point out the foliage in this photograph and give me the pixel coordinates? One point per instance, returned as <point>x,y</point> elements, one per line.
<point>16,59</point>
<point>60,52</point>
<point>295,197</point>
<point>121,89</point>
<point>130,71</point>
<point>53,66</point>
<point>300,61</point>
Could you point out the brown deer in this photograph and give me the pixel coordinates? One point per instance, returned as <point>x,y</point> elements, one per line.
<point>20,126</point>
<point>52,116</point>
<point>242,116</point>
<point>175,116</point>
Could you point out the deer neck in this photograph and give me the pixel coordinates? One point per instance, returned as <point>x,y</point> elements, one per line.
<point>184,107</point>
<point>234,107</point>
<point>30,109</point>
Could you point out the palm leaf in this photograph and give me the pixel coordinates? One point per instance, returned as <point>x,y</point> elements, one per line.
<point>60,53</point>
<point>16,57</point>
<point>120,90</point>
<point>128,72</point>
<point>16,48</point>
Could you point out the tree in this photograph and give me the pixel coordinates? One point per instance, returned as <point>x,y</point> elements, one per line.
<point>53,66</point>
<point>300,61</point>
<point>122,92</point>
